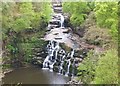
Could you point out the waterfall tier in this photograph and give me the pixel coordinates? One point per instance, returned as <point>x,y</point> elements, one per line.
<point>58,59</point>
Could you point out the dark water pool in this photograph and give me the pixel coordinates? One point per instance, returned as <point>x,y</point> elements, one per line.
<point>33,75</point>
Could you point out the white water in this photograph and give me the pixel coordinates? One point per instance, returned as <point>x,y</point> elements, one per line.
<point>56,36</point>
<point>57,49</point>
<point>62,20</point>
<point>46,61</point>
<point>72,53</point>
<point>61,68</point>
<point>68,68</point>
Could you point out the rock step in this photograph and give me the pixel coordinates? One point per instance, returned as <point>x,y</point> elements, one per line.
<point>52,27</point>
<point>57,9</point>
<point>57,5</point>
<point>54,21</point>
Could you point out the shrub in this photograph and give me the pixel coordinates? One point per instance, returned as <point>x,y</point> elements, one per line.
<point>107,69</point>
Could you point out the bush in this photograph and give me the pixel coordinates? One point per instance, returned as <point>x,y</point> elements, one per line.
<point>98,36</point>
<point>86,69</point>
<point>107,16</point>
<point>78,12</point>
<point>107,69</point>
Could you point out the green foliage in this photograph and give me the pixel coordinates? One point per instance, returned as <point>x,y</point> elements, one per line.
<point>107,16</point>
<point>107,69</point>
<point>19,16</point>
<point>11,48</point>
<point>26,47</point>
<point>78,12</point>
<point>86,69</point>
<point>42,14</point>
<point>99,69</point>
<point>77,19</point>
<point>20,22</point>
<point>7,18</point>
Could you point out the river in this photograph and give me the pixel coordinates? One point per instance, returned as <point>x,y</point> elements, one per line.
<point>34,75</point>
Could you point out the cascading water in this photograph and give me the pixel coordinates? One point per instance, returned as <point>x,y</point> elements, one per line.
<point>62,20</point>
<point>68,69</point>
<point>72,53</point>
<point>50,60</point>
<point>58,57</point>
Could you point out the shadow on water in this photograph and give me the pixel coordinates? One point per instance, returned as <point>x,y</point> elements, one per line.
<point>33,75</point>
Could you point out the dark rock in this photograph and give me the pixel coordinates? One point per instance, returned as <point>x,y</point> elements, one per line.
<point>56,68</point>
<point>74,81</point>
<point>81,56</point>
<point>79,31</point>
<point>58,38</point>
<point>56,33</point>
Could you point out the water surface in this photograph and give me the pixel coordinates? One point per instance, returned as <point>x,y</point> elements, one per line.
<point>34,75</point>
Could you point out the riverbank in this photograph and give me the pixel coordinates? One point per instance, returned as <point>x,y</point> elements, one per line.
<point>96,39</point>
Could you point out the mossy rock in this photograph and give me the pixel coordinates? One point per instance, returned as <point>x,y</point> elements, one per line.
<point>66,48</point>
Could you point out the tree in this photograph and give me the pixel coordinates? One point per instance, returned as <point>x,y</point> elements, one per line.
<point>86,69</point>
<point>107,16</point>
<point>78,12</point>
<point>107,69</point>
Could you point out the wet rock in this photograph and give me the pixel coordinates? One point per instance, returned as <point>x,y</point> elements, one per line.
<point>58,38</point>
<point>64,72</point>
<point>56,68</point>
<point>77,53</point>
<point>54,22</point>
<point>73,81</point>
<point>57,5</point>
<point>16,63</point>
<point>56,33</point>
<point>37,61</point>
<point>79,31</point>
<point>58,10</point>
<point>52,26</point>
<point>81,56</point>
<point>66,48</point>
<point>67,20</point>
<point>78,60</point>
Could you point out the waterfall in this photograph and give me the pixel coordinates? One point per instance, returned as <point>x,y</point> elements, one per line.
<point>51,66</point>
<point>46,61</point>
<point>57,49</point>
<point>50,49</point>
<point>62,62</point>
<point>68,69</point>
<point>61,68</point>
<point>72,53</point>
<point>57,57</point>
<point>62,20</point>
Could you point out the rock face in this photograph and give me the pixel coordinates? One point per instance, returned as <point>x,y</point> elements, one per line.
<point>63,55</point>
<point>63,51</point>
